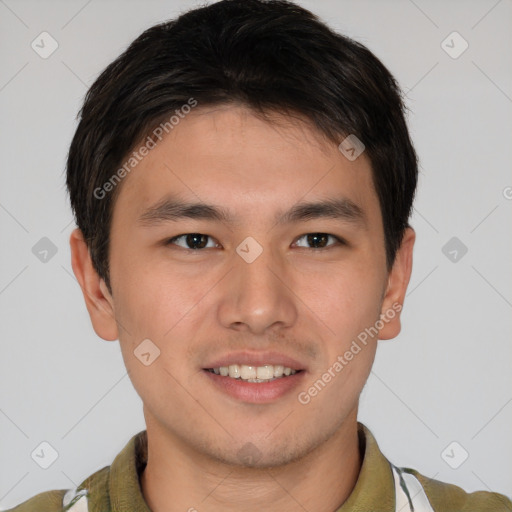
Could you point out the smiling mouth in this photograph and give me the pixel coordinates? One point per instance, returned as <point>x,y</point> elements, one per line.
<point>255,374</point>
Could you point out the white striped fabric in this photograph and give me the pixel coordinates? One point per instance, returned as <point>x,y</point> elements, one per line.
<point>409,493</point>
<point>74,501</point>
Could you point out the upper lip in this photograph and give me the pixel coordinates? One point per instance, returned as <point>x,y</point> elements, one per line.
<point>255,359</point>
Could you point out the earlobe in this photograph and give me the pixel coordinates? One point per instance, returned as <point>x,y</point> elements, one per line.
<point>398,280</point>
<point>98,300</point>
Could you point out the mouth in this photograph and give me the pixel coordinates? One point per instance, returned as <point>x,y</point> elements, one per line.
<point>255,378</point>
<point>254,374</point>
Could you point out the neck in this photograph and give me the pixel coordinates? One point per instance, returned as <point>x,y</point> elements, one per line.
<point>176,480</point>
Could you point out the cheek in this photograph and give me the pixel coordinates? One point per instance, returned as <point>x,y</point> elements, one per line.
<point>154,297</point>
<point>154,309</point>
<point>346,297</point>
<point>349,306</point>
<point>159,303</point>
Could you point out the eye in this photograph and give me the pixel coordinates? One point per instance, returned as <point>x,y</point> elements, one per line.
<point>319,240</point>
<point>193,241</point>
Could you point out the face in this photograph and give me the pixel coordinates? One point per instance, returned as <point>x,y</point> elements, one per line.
<point>278,268</point>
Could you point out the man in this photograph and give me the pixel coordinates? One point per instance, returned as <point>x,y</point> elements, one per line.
<point>242,180</point>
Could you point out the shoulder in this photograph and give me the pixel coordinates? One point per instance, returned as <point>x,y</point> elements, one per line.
<point>49,501</point>
<point>94,493</point>
<point>94,490</point>
<point>445,497</point>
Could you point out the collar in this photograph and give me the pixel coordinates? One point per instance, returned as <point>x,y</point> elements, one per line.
<point>124,484</point>
<point>374,489</point>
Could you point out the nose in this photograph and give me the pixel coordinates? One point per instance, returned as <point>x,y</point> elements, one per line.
<point>258,295</point>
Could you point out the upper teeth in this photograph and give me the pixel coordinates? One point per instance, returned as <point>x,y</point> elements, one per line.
<point>245,372</point>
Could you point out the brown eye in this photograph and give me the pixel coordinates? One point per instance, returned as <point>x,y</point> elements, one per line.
<point>318,240</point>
<point>192,241</point>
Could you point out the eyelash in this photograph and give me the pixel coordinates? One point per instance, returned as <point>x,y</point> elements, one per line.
<point>339,241</point>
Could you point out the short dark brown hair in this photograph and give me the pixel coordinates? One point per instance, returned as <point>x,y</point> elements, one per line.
<point>267,55</point>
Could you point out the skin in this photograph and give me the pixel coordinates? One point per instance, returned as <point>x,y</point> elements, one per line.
<point>309,303</point>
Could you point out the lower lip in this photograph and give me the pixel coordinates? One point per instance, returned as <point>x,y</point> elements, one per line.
<point>256,392</point>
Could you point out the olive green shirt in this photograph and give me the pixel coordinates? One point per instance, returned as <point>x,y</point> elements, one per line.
<point>380,487</point>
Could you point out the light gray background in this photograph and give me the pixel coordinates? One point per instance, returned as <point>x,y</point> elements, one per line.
<point>446,378</point>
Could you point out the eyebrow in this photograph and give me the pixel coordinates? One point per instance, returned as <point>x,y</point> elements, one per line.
<point>173,209</point>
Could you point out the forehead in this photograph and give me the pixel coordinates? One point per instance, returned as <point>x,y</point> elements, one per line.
<point>230,157</point>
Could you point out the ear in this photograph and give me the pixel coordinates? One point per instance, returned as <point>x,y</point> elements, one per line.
<point>98,300</point>
<point>398,281</point>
